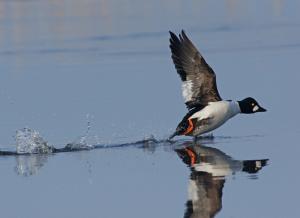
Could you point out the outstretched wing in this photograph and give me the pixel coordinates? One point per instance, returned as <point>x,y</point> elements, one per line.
<point>198,79</point>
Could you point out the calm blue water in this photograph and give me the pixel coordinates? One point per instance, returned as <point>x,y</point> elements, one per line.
<point>99,73</point>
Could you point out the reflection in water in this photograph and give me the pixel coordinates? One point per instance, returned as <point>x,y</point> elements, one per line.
<point>28,165</point>
<point>209,168</point>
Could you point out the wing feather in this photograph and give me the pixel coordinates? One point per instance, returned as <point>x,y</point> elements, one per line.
<point>198,79</point>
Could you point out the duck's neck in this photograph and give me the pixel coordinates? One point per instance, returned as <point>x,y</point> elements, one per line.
<point>234,108</point>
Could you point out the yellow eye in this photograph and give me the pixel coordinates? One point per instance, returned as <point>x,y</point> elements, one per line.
<point>253,104</point>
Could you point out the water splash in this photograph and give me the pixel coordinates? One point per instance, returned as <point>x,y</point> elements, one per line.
<point>29,141</point>
<point>82,142</point>
<point>77,145</point>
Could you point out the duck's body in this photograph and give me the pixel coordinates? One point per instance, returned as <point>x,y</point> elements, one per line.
<point>207,110</point>
<point>212,116</point>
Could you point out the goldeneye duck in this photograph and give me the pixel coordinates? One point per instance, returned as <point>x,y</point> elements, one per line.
<point>206,109</point>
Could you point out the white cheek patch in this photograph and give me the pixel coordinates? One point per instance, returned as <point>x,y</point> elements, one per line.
<point>187,90</point>
<point>258,164</point>
<point>255,108</point>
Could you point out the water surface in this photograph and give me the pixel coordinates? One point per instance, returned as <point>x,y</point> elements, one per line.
<point>98,75</point>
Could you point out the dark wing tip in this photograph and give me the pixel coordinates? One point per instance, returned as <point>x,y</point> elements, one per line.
<point>172,35</point>
<point>184,35</point>
<point>181,38</point>
<point>173,38</point>
<point>176,50</point>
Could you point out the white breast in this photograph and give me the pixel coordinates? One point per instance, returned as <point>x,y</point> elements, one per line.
<point>214,170</point>
<point>217,113</point>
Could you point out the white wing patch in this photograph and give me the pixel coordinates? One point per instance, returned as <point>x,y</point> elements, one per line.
<point>187,92</point>
<point>193,191</point>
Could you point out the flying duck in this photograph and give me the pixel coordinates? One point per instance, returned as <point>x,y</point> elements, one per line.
<point>206,109</point>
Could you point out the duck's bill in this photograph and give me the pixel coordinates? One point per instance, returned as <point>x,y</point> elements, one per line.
<point>261,109</point>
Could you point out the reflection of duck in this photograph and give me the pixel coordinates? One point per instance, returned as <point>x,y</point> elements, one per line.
<point>209,168</point>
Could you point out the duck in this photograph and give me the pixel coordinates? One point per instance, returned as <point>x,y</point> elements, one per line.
<point>209,169</point>
<point>206,109</point>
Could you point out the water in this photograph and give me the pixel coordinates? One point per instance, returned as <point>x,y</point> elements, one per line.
<point>118,180</point>
<point>91,90</point>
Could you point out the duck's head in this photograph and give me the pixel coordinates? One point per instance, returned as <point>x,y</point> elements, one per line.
<point>249,106</point>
